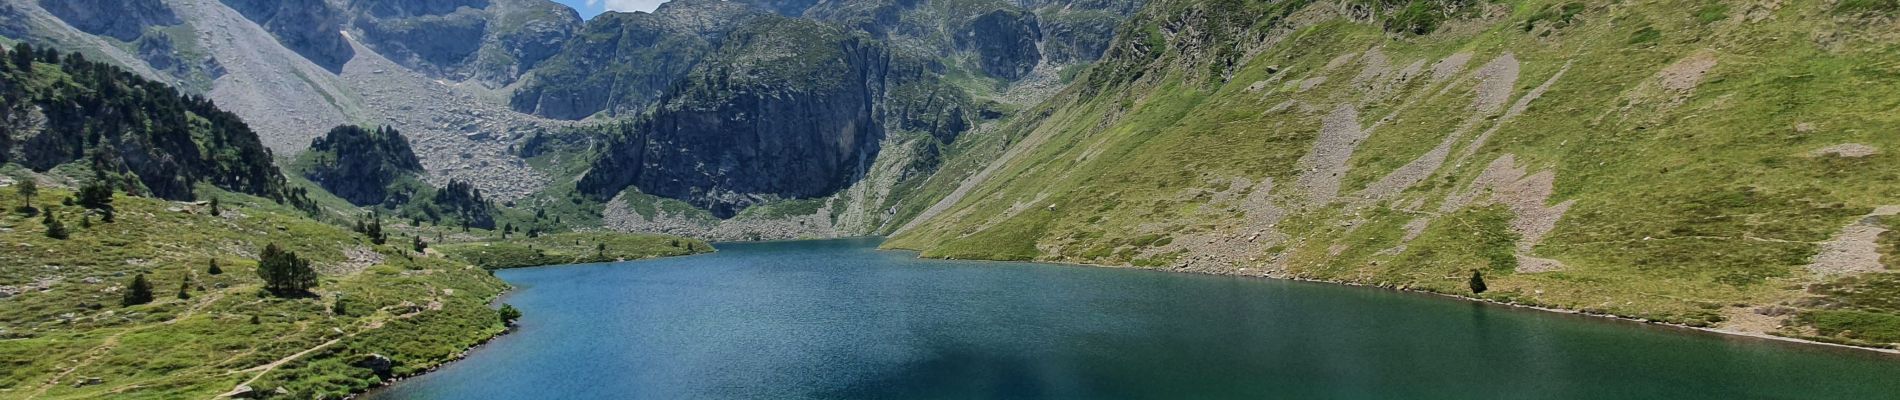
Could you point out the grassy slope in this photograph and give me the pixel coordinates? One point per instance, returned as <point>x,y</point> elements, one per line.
<point>1692,212</point>
<point>420,311</point>
<point>570,248</point>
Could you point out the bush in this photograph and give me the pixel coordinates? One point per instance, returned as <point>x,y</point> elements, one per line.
<point>509,314</point>
<point>54,229</point>
<point>139,292</point>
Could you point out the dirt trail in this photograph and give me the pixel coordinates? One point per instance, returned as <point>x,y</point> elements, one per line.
<point>272,366</point>
<point>374,324</point>
<point>112,342</point>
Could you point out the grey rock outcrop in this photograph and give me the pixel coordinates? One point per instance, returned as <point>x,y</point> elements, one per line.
<point>1004,41</point>
<point>787,110</point>
<point>119,19</point>
<point>312,28</point>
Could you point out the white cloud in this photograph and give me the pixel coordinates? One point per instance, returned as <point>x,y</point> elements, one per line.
<point>628,5</point>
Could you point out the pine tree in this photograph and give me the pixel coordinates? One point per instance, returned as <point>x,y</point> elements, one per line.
<point>85,221</point>
<point>28,189</point>
<point>23,56</point>
<point>139,292</point>
<point>214,270</point>
<point>1477,282</point>
<point>184,289</point>
<point>376,231</point>
<point>420,245</point>
<point>601,250</point>
<point>215,210</point>
<point>284,273</point>
<point>96,195</point>
<point>54,229</point>
<point>373,229</point>
<point>341,307</point>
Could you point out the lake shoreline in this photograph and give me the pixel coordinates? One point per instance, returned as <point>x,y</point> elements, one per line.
<point>512,328</point>
<point>1246,273</point>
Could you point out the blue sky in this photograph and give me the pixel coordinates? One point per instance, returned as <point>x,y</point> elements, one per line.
<point>590,8</point>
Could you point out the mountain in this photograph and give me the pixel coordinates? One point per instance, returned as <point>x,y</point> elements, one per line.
<point>770,113</point>
<point>1700,163</point>
<point>619,63</point>
<point>468,82</point>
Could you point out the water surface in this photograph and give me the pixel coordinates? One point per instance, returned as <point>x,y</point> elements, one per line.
<point>838,319</point>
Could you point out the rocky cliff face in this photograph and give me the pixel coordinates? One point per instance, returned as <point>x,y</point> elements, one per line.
<point>493,42</point>
<point>125,20</point>
<point>620,63</point>
<point>312,28</point>
<point>1004,41</point>
<point>717,115</point>
<point>786,109</point>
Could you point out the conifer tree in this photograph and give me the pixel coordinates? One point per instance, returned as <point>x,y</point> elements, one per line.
<point>284,273</point>
<point>1477,282</point>
<point>215,209</point>
<point>184,289</point>
<point>27,189</point>
<point>214,270</point>
<point>96,195</point>
<point>139,292</point>
<point>54,229</point>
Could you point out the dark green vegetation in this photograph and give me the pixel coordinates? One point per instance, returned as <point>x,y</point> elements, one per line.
<point>99,217</point>
<point>570,248</point>
<point>150,138</point>
<point>365,166</point>
<point>1693,162</point>
<point>284,274</point>
<point>376,168</point>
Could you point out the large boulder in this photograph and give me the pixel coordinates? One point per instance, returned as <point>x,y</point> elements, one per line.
<point>384,367</point>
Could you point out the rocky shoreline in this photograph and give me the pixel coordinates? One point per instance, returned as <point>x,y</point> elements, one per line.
<point>458,356</point>
<point>1249,273</point>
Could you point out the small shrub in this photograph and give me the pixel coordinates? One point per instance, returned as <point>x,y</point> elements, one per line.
<point>138,292</point>
<point>509,314</point>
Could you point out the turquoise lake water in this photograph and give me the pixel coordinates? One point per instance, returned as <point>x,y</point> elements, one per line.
<point>840,320</point>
